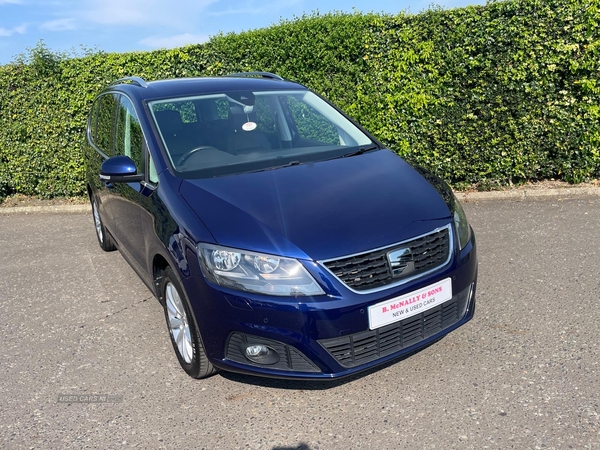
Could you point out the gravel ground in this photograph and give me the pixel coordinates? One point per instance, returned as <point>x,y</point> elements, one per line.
<point>524,374</point>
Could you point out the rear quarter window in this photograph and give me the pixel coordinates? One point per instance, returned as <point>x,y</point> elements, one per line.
<point>93,122</point>
<point>107,114</point>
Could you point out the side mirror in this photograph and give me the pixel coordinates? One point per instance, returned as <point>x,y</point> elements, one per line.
<point>119,169</point>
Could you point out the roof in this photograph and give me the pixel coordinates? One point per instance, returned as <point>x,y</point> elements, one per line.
<point>181,87</point>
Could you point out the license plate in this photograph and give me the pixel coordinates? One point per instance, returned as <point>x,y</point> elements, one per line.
<point>405,306</point>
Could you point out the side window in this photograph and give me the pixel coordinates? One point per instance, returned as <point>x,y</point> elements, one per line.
<point>93,122</point>
<point>106,122</point>
<point>265,118</point>
<point>129,140</point>
<point>222,108</point>
<point>186,110</point>
<point>311,124</point>
<point>152,175</point>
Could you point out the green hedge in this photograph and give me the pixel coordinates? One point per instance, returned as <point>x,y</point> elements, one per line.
<point>487,95</point>
<point>496,94</point>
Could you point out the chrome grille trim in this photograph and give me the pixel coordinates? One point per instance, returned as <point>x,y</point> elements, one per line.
<point>397,244</point>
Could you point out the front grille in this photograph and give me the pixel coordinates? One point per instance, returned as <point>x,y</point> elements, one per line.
<point>366,346</point>
<point>371,270</point>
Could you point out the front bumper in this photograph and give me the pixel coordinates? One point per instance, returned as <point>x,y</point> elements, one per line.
<point>325,337</point>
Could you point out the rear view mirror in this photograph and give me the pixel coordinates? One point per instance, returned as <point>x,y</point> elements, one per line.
<point>119,169</point>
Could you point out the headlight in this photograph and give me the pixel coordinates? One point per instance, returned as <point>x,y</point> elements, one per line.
<point>461,225</point>
<point>256,272</point>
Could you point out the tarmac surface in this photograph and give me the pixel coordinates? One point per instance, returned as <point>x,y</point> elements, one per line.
<point>87,362</point>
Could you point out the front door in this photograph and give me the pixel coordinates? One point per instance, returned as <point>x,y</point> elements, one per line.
<point>125,197</point>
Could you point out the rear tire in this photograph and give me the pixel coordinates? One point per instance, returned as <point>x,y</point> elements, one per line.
<point>104,238</point>
<point>184,334</point>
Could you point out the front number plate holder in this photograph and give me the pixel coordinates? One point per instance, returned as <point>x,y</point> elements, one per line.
<point>408,305</point>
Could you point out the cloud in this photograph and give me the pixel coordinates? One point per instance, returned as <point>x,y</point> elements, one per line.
<point>7,32</point>
<point>144,12</point>
<point>250,8</point>
<point>128,14</point>
<point>179,40</point>
<point>59,25</point>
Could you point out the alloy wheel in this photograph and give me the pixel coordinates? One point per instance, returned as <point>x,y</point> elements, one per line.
<point>178,323</point>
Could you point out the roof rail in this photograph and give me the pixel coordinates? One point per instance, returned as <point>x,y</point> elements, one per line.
<point>269,75</point>
<point>131,80</point>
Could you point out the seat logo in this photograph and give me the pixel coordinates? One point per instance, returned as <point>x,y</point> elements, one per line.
<point>401,262</point>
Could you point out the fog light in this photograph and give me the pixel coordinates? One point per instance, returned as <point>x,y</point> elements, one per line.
<point>261,354</point>
<point>253,351</point>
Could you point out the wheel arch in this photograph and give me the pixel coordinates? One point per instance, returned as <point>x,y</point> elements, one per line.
<point>159,265</point>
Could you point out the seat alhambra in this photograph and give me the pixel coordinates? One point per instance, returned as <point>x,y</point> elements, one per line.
<point>281,238</point>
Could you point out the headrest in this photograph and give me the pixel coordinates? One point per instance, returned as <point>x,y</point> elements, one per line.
<point>169,121</point>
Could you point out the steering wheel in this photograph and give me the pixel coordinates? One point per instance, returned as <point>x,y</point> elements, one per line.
<point>187,155</point>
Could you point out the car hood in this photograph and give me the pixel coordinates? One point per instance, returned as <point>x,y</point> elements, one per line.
<point>318,210</point>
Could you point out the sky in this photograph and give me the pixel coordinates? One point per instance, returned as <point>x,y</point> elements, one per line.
<point>142,25</point>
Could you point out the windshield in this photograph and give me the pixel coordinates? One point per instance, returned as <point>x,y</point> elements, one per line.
<point>244,131</point>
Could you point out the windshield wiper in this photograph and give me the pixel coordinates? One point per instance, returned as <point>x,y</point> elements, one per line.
<point>362,150</point>
<point>291,163</point>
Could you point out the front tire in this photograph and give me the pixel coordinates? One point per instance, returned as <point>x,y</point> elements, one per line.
<point>104,238</point>
<point>184,334</point>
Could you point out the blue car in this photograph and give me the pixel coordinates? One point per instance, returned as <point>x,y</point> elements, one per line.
<point>282,239</point>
